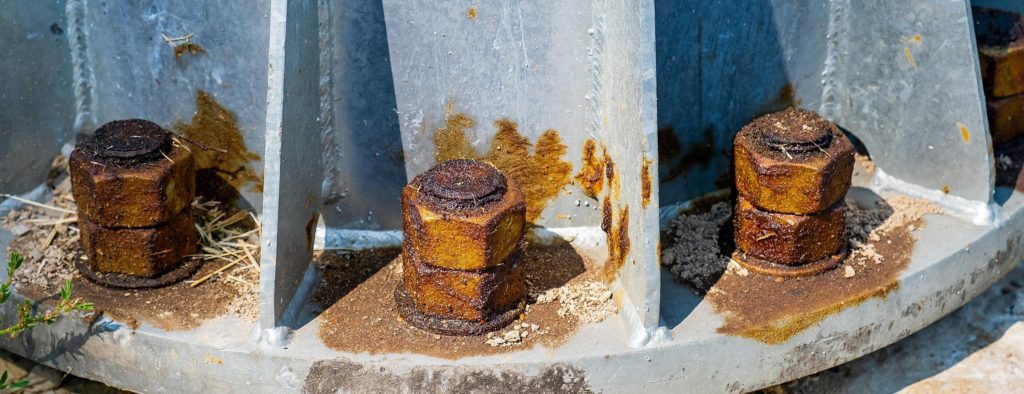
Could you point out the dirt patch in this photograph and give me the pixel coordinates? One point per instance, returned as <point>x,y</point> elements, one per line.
<point>881,241</point>
<point>355,320</point>
<point>216,127</point>
<point>48,240</point>
<point>590,302</point>
<point>694,245</point>
<point>541,172</point>
<point>175,307</point>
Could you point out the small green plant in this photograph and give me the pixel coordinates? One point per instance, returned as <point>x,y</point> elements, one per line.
<point>27,319</point>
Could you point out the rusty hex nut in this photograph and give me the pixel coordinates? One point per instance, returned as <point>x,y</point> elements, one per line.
<point>1000,37</point>
<point>1006,118</point>
<point>463,214</point>
<point>464,295</point>
<point>789,239</point>
<point>792,161</point>
<point>140,252</point>
<point>130,174</point>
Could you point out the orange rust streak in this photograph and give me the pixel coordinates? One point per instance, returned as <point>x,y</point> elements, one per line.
<point>964,133</point>
<point>591,175</point>
<point>645,182</point>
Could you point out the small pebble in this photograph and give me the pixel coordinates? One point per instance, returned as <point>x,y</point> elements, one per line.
<point>848,272</point>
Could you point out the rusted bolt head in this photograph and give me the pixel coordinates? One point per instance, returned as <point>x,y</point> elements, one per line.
<point>1006,117</point>
<point>1000,37</point>
<point>140,252</point>
<point>792,161</point>
<point>465,295</point>
<point>131,175</point>
<point>463,214</point>
<point>789,239</point>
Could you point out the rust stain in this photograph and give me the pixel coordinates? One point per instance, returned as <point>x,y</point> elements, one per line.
<point>645,182</point>
<point>610,175</point>
<point>910,56</point>
<point>945,189</point>
<point>591,175</point>
<point>215,126</point>
<point>606,216</point>
<point>471,12</point>
<point>964,133</point>
<point>772,311</point>
<point>450,141</point>
<point>917,38</point>
<point>618,240</point>
<point>787,96</point>
<point>540,173</point>
<point>189,48</point>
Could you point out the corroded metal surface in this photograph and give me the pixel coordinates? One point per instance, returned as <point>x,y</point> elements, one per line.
<point>781,167</point>
<point>143,252</point>
<point>466,295</point>
<point>792,170</point>
<point>463,214</point>
<point>131,175</point>
<point>133,186</point>
<point>789,239</point>
<point>462,256</point>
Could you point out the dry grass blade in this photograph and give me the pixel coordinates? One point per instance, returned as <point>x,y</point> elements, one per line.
<point>40,205</point>
<point>219,270</point>
<point>232,236</point>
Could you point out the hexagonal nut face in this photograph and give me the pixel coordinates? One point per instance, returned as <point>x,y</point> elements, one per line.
<point>466,295</point>
<point>141,252</point>
<point>140,196</point>
<point>1001,51</point>
<point>1006,118</point>
<point>789,239</point>
<point>471,240</point>
<point>1002,71</point>
<point>793,183</point>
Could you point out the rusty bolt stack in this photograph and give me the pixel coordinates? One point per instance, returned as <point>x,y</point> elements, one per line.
<point>463,251</point>
<point>793,169</point>
<point>1001,51</point>
<point>134,187</point>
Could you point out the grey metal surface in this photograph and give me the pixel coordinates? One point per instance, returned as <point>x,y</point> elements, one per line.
<point>364,167</point>
<point>292,176</point>
<point>36,102</point>
<point>582,68</point>
<point>952,262</point>
<point>133,73</point>
<point>909,87</point>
